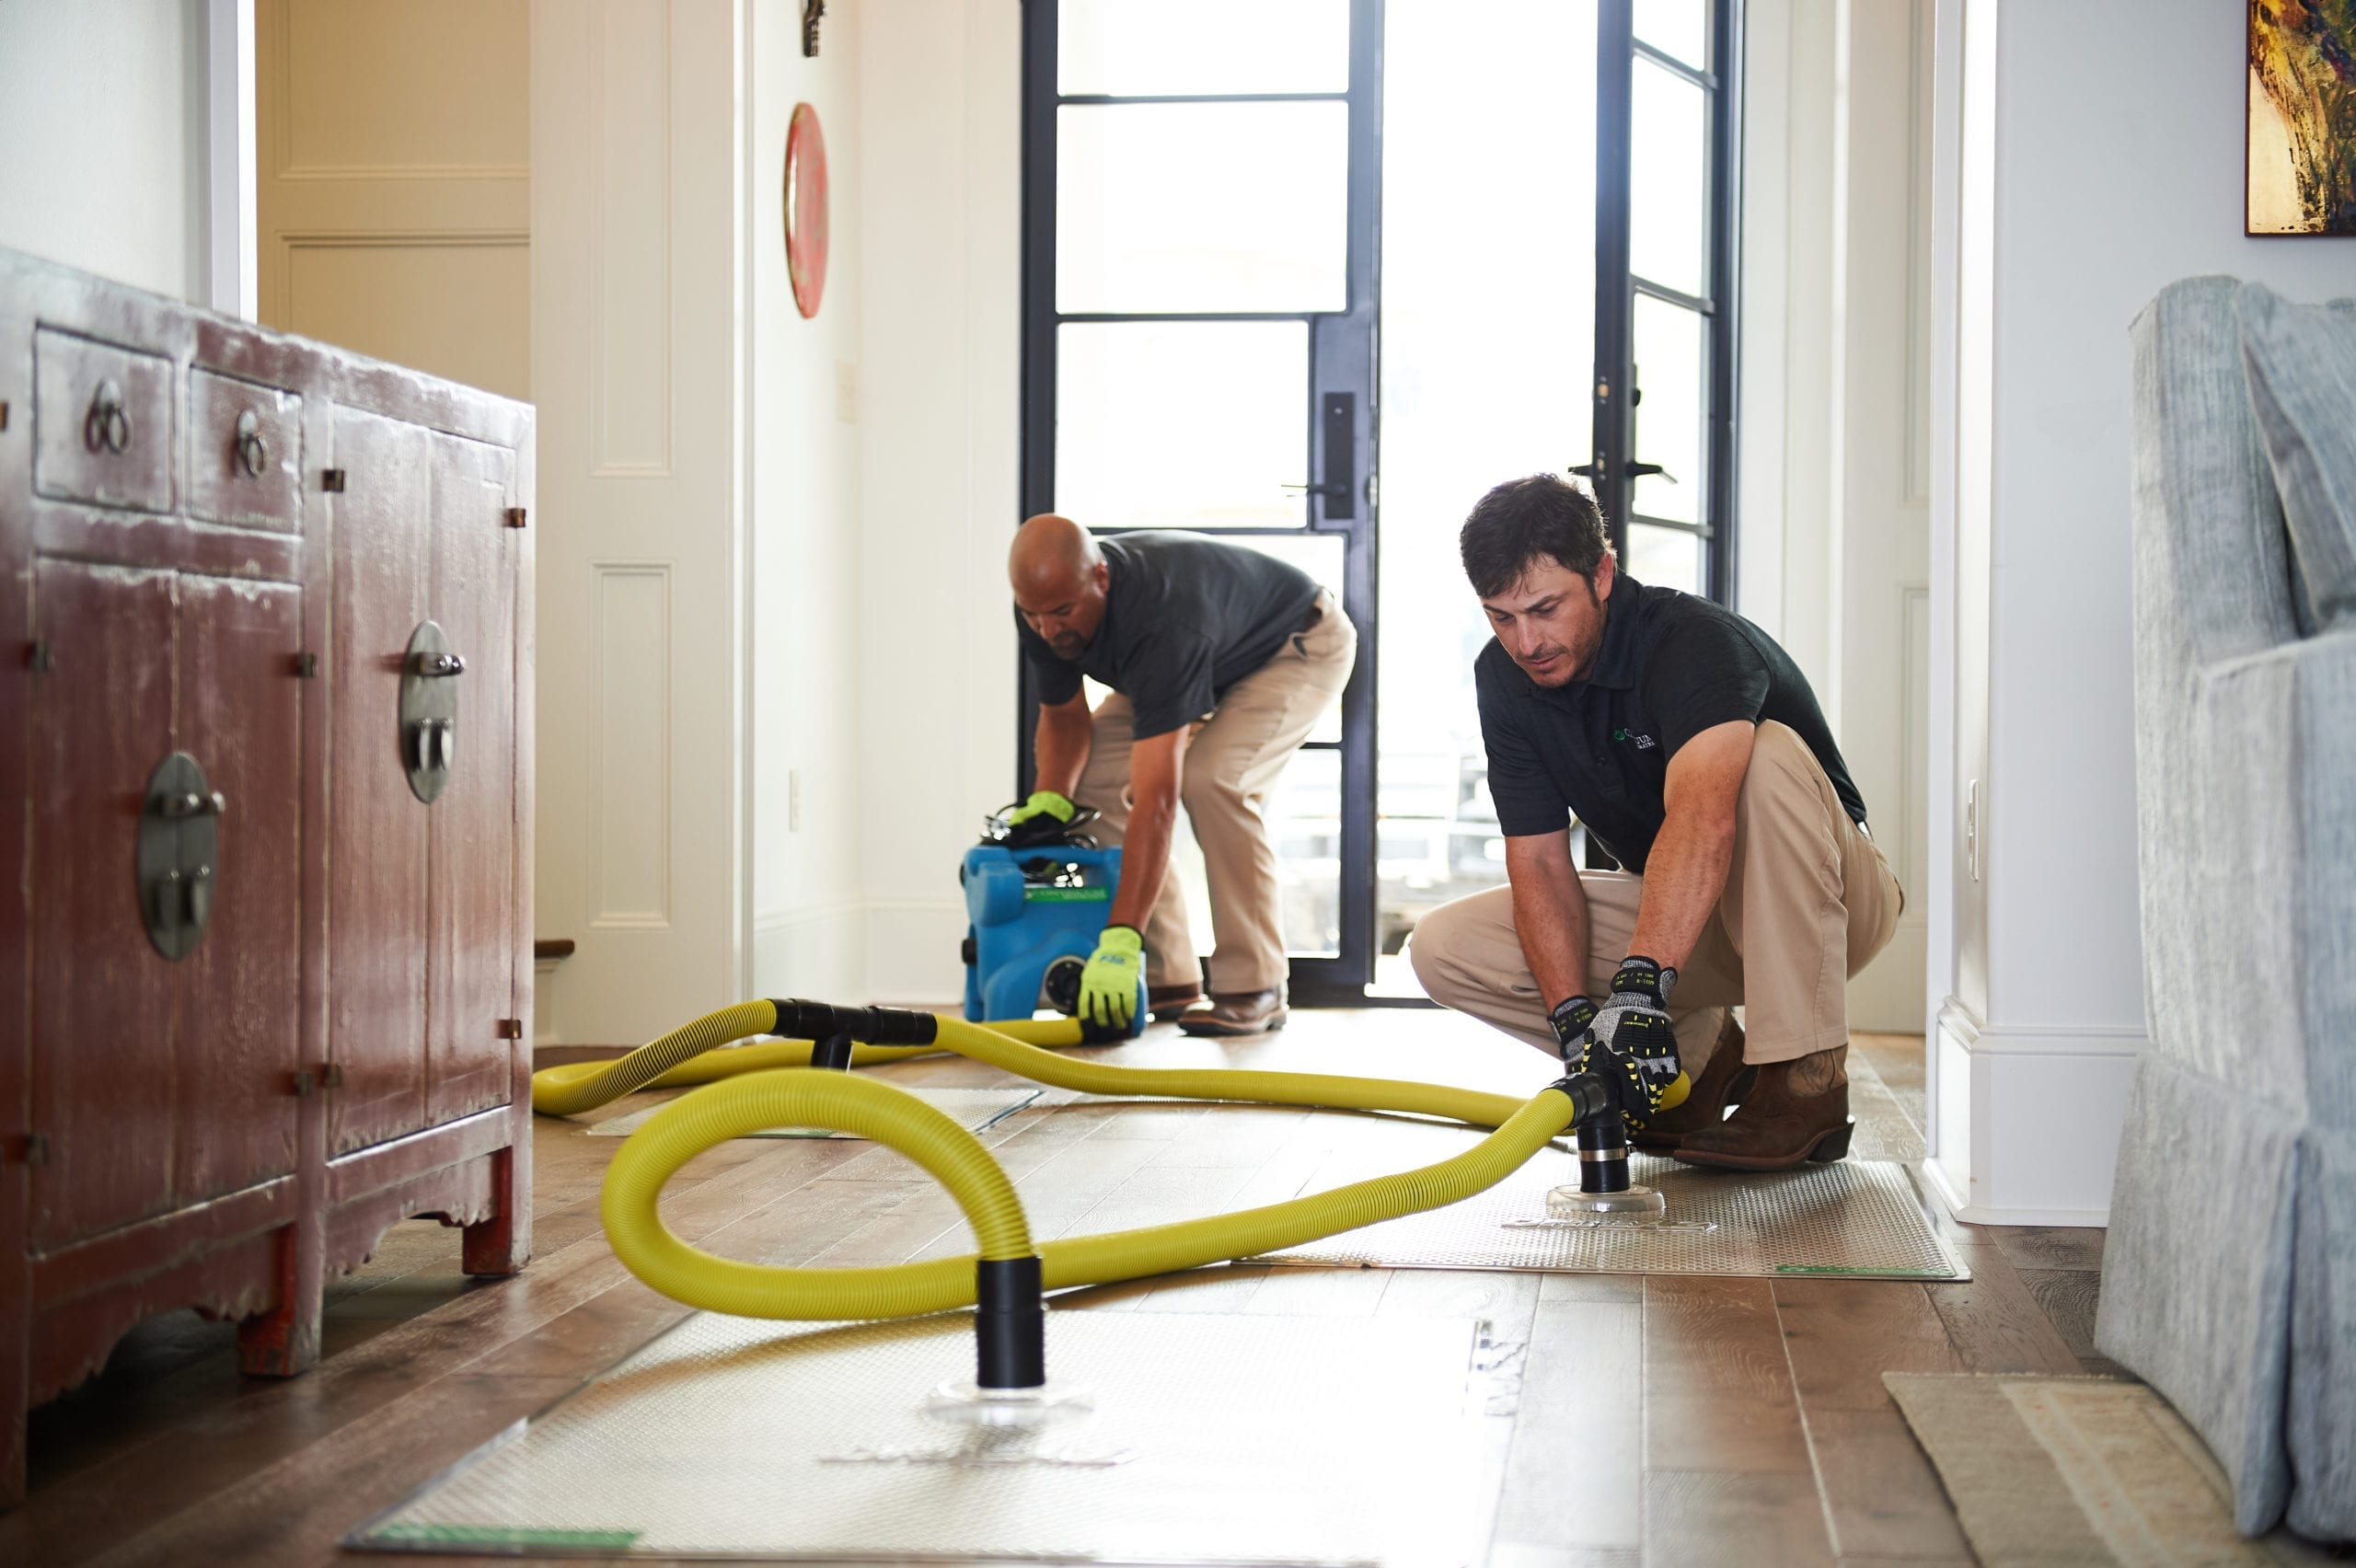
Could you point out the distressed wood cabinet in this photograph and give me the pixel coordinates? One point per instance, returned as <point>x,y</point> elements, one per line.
<point>265,785</point>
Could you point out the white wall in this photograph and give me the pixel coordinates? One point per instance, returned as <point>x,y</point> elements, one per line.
<point>103,114</point>
<point>940,373</point>
<point>808,641</point>
<point>1835,476</point>
<point>2102,187</point>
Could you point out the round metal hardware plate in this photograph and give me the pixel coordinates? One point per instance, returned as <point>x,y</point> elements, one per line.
<point>178,855</point>
<point>429,716</point>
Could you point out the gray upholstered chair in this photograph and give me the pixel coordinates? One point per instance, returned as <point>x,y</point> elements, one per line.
<point>2229,1279</point>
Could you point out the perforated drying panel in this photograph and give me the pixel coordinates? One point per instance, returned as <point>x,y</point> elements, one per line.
<point>1856,1218</point>
<point>971,1108</point>
<point>1215,1439</point>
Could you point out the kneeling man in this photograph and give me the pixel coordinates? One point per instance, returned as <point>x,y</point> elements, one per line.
<point>1221,661</point>
<point>1690,747</point>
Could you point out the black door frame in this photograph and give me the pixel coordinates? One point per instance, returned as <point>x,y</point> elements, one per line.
<point>1342,361</point>
<point>1613,456</point>
<point>1343,350</point>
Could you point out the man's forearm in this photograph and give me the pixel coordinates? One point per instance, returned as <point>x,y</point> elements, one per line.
<point>1145,858</point>
<point>1549,917</point>
<point>1685,876</point>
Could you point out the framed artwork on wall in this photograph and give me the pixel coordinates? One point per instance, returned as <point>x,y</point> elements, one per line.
<point>2301,174</point>
<point>805,208</point>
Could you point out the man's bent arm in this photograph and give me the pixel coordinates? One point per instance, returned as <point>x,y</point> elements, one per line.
<point>1549,913</point>
<point>1156,765</point>
<point>1686,873</point>
<point>1062,743</point>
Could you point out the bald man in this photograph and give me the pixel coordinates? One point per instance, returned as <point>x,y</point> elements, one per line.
<point>1221,661</point>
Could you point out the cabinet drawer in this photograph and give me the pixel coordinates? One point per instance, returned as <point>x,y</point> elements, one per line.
<point>104,418</point>
<point>245,454</point>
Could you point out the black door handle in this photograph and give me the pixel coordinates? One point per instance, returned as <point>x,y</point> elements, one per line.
<point>1633,471</point>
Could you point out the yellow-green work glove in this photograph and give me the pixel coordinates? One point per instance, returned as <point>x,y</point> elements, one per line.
<point>1108,986</point>
<point>1042,802</point>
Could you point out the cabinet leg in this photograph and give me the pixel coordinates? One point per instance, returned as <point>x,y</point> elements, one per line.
<point>283,1341</point>
<point>502,1244</point>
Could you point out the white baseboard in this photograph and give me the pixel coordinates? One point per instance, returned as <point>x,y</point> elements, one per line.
<point>2029,1118</point>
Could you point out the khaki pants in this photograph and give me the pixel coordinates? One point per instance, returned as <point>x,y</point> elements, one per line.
<point>1234,760</point>
<point>1809,902</point>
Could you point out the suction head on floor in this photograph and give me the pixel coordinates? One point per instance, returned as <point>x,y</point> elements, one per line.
<point>968,1404</point>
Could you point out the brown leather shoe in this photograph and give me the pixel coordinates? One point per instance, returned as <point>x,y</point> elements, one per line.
<point>1243,1012</point>
<point>1723,1083</point>
<point>1796,1112</point>
<point>1166,1002</point>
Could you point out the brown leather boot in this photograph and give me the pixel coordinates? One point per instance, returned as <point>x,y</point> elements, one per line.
<point>1243,1012</point>
<point>1166,1002</point>
<point>1796,1112</point>
<point>1723,1083</point>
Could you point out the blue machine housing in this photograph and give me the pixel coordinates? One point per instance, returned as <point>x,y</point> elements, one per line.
<point>1020,926</point>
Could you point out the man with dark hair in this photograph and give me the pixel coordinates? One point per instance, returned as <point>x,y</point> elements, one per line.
<point>1690,747</point>
<point>1221,660</point>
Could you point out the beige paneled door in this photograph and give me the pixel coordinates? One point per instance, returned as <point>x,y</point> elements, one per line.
<point>394,144</point>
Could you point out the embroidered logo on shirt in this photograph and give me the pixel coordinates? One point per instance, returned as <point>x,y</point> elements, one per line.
<point>1643,743</point>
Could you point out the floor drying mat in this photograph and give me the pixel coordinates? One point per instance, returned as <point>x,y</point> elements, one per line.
<point>2074,1472</point>
<point>1854,1218</point>
<point>1213,1439</point>
<point>971,1108</point>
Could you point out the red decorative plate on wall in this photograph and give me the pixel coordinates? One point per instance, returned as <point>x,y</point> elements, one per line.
<point>805,208</point>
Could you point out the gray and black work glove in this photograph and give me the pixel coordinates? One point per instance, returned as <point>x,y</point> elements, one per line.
<point>1570,1020</point>
<point>1629,1044</point>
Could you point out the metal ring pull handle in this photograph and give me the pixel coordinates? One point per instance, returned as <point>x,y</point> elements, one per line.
<point>106,428</point>
<point>253,452</point>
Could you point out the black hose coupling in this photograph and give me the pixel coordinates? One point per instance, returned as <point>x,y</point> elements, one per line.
<point>1010,1324</point>
<point>1602,1132</point>
<point>871,1026</point>
<point>1589,1094</point>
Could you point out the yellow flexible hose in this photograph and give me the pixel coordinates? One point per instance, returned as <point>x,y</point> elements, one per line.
<point>750,1102</point>
<point>691,1054</point>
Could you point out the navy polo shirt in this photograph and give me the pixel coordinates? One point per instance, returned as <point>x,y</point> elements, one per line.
<point>1671,666</point>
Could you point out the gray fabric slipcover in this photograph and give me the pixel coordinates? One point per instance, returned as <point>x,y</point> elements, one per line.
<point>2229,1274</point>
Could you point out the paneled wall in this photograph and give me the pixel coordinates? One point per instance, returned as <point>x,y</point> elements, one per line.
<point>2043,977</point>
<point>394,152</point>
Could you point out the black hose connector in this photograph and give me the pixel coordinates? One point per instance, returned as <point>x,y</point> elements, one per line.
<point>1093,1033</point>
<point>832,1052</point>
<point>871,1026</point>
<point>1603,1154</point>
<point>1010,1324</point>
<point>1589,1094</point>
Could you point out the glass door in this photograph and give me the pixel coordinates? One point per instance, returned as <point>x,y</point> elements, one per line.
<point>1539,192</point>
<point>1663,446</point>
<point>1199,291</point>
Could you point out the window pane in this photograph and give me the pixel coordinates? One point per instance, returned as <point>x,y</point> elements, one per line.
<point>1486,364</point>
<point>1679,28</point>
<point>1669,176</point>
<point>1166,425</point>
<point>1305,821</point>
<point>1202,207</point>
<point>1128,47</point>
<point>1672,414</point>
<point>1665,558</point>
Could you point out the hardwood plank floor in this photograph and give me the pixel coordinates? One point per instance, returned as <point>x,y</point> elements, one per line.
<point>1661,1420</point>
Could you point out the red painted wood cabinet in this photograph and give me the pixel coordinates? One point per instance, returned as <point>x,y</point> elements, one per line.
<point>265,812</point>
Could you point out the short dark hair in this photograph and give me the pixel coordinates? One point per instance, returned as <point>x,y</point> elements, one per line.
<point>1522,520</point>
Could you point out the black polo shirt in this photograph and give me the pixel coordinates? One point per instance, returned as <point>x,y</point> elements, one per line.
<point>1185,618</point>
<point>1671,666</point>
